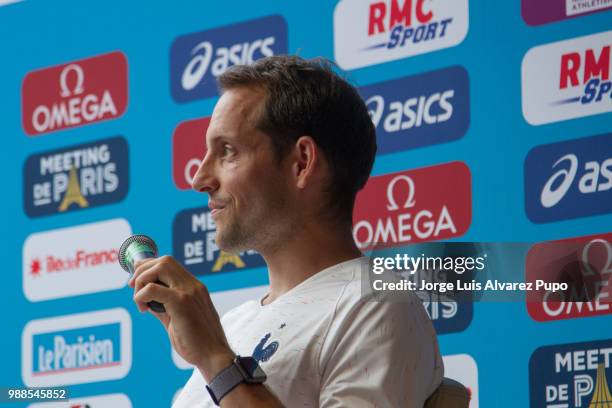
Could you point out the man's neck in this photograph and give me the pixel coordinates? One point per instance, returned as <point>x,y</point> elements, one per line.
<point>303,255</point>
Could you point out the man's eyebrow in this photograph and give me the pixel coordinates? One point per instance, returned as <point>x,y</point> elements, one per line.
<point>223,138</point>
<point>217,138</point>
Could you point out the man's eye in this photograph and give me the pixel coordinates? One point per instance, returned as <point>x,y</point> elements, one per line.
<point>228,150</point>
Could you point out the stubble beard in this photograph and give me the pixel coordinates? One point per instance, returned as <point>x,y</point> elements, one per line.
<point>263,229</point>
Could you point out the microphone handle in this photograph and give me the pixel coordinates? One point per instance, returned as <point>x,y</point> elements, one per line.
<point>155,306</point>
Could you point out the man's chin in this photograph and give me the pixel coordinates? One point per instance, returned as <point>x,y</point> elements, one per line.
<point>227,244</point>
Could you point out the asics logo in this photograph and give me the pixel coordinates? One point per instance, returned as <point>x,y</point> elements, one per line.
<point>224,57</point>
<point>595,177</point>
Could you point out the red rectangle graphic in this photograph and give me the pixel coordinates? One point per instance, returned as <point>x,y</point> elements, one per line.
<point>75,94</point>
<point>426,204</point>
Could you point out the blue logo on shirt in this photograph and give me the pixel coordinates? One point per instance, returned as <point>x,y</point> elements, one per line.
<point>263,354</point>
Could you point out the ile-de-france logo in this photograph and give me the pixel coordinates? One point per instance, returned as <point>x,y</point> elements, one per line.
<point>73,261</point>
<point>193,243</point>
<point>75,94</point>
<point>426,204</point>
<point>569,179</point>
<point>75,178</point>
<point>368,32</point>
<point>196,60</point>
<point>567,79</point>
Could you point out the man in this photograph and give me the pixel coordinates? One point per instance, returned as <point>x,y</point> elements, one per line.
<point>290,144</point>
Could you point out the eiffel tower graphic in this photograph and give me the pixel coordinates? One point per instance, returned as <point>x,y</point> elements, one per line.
<point>225,258</point>
<point>73,194</point>
<point>601,397</point>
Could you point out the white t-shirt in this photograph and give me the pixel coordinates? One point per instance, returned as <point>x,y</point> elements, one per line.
<point>325,344</point>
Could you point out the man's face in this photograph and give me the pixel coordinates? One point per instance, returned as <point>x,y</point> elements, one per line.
<point>248,189</point>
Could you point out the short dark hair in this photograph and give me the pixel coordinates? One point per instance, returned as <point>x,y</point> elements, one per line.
<point>306,97</point>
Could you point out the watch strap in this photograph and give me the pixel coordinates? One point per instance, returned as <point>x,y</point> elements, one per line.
<point>228,379</point>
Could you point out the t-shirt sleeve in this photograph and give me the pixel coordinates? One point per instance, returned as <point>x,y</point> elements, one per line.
<point>380,354</point>
<point>194,394</point>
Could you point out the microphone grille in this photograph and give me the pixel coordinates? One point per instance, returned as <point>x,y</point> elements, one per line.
<point>139,238</point>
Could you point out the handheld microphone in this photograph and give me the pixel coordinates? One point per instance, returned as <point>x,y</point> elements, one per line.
<point>136,248</point>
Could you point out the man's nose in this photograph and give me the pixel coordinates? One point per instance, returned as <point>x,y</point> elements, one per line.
<point>204,180</point>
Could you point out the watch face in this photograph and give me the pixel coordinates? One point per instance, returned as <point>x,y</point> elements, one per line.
<point>252,368</point>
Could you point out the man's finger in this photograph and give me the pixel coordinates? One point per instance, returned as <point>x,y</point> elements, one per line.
<point>150,275</point>
<point>157,273</point>
<point>153,292</point>
<point>140,267</point>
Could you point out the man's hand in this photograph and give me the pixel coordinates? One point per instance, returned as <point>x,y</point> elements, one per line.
<point>191,320</point>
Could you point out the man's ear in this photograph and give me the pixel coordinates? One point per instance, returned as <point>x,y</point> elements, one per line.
<point>306,159</point>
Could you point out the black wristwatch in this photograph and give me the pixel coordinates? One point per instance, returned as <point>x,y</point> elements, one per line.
<point>242,370</point>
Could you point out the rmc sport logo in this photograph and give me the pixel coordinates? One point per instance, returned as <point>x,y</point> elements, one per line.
<point>368,32</point>
<point>568,79</point>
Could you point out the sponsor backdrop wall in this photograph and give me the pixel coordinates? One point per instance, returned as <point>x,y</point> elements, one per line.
<point>493,124</point>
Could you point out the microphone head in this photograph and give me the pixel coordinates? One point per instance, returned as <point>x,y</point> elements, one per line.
<point>136,244</point>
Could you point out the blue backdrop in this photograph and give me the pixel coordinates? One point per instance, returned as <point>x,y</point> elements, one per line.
<point>494,143</point>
